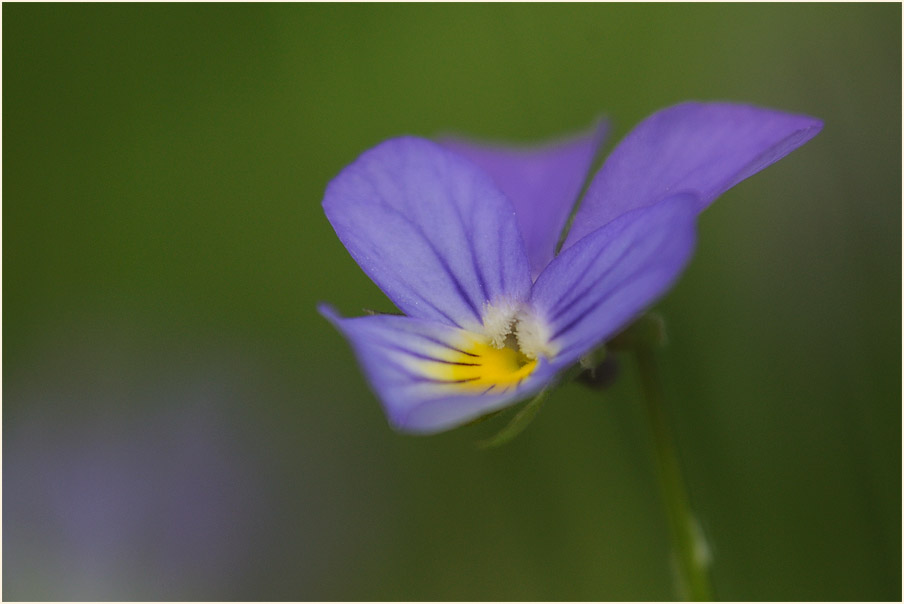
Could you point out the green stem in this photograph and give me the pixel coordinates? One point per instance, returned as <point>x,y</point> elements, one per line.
<point>691,553</point>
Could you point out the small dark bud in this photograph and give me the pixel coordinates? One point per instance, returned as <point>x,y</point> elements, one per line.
<point>601,375</point>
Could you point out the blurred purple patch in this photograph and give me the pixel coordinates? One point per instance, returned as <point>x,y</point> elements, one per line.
<point>137,504</point>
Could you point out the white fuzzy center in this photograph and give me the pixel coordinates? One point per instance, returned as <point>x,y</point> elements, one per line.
<point>511,324</point>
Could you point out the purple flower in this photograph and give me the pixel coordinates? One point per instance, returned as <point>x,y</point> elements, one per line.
<point>462,239</point>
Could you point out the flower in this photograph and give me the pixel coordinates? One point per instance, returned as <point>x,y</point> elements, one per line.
<point>461,237</point>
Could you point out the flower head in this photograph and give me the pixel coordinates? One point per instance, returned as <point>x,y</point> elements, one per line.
<point>462,239</point>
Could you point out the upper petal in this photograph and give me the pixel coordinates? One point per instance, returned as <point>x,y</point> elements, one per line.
<point>416,368</point>
<point>596,287</point>
<point>705,147</point>
<point>542,182</point>
<point>431,229</point>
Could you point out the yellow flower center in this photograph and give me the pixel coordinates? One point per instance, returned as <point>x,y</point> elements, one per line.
<point>481,368</point>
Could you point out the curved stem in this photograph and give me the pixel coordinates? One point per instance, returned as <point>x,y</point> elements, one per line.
<point>690,551</point>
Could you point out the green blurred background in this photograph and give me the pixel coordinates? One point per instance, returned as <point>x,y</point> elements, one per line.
<point>179,423</point>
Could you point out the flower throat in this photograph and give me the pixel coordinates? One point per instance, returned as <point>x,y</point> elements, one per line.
<point>496,358</point>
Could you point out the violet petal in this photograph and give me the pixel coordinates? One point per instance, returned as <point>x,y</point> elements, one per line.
<point>704,147</point>
<point>431,229</point>
<point>542,182</point>
<point>596,287</point>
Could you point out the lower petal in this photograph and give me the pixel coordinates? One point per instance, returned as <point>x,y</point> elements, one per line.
<point>432,377</point>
